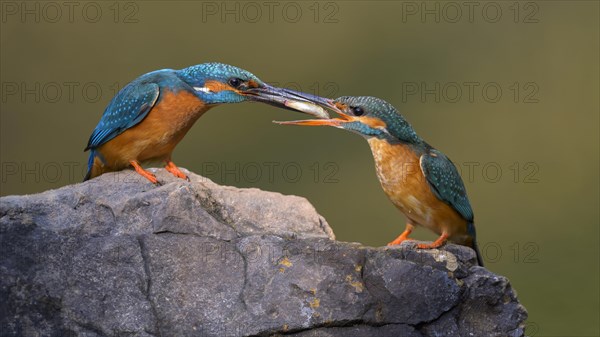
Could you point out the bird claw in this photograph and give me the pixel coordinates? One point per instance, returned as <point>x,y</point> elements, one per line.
<point>435,244</point>
<point>429,245</point>
<point>148,175</point>
<point>180,175</point>
<point>176,171</point>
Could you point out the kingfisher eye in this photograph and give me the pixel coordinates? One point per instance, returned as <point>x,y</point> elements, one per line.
<point>357,111</point>
<point>235,82</point>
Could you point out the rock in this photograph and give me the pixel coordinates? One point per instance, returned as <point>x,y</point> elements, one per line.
<point>117,256</point>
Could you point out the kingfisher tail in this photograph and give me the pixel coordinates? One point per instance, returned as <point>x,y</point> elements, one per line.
<point>477,252</point>
<point>90,166</point>
<point>473,245</point>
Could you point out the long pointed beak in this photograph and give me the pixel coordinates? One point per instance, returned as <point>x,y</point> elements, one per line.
<point>290,99</point>
<point>311,122</point>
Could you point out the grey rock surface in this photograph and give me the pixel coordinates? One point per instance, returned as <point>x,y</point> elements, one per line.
<point>117,256</point>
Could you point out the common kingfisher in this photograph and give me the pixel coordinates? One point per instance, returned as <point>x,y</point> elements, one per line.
<point>419,180</point>
<point>150,115</point>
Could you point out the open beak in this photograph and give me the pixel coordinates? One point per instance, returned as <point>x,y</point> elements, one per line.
<point>290,99</point>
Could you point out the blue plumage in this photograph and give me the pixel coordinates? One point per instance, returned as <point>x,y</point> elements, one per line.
<point>133,103</point>
<point>439,171</point>
<point>136,99</point>
<point>174,100</point>
<point>446,183</point>
<point>196,75</point>
<point>439,201</point>
<point>396,125</point>
<point>125,110</point>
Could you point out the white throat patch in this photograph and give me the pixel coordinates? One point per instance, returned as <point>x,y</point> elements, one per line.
<point>203,89</point>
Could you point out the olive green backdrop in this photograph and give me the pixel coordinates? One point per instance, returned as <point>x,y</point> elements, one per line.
<point>516,107</point>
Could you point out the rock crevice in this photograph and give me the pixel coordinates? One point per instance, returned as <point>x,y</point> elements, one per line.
<point>148,286</point>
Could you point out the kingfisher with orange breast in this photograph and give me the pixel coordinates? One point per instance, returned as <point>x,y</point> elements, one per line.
<point>149,117</point>
<point>419,180</point>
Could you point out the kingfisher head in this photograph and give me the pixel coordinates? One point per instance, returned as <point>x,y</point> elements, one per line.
<point>368,116</point>
<point>218,83</point>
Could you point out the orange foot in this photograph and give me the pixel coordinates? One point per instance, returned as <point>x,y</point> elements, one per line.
<point>403,237</point>
<point>140,170</point>
<point>176,171</point>
<point>435,244</point>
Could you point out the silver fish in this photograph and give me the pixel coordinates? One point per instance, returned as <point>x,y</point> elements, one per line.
<point>308,108</point>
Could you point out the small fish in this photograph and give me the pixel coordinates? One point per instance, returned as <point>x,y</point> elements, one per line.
<point>308,108</point>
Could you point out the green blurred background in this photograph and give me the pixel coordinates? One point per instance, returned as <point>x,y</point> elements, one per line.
<point>533,151</point>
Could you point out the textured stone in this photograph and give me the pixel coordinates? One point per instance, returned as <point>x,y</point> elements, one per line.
<point>117,256</point>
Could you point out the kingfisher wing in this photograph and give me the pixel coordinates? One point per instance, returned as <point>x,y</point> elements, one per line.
<point>445,182</point>
<point>129,107</point>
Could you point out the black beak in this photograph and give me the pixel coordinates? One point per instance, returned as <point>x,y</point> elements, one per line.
<point>291,100</point>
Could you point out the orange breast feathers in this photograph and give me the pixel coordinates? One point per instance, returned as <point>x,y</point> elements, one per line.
<point>402,179</point>
<point>155,137</point>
